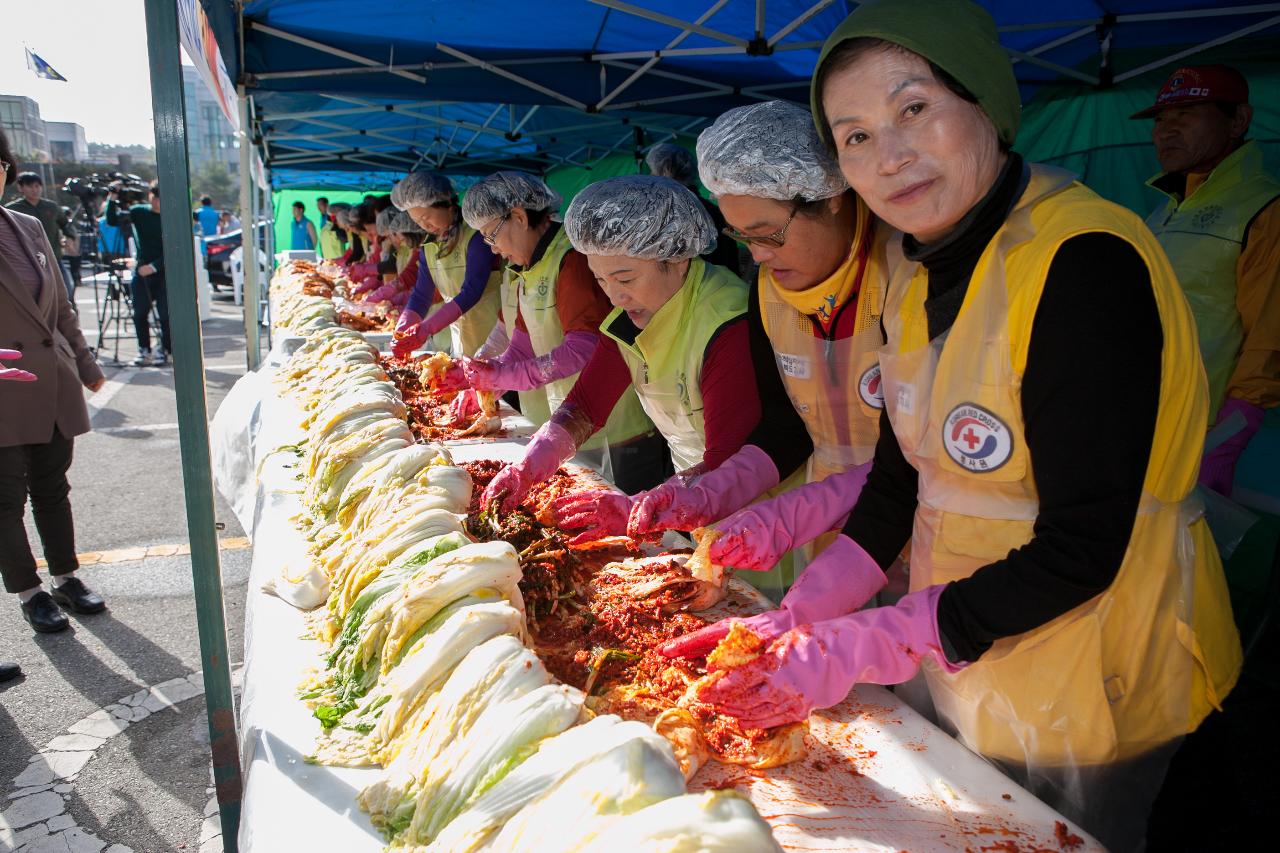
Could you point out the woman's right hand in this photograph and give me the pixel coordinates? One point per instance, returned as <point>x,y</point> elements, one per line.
<point>14,374</point>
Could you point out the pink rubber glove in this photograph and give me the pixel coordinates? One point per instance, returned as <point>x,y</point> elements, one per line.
<point>710,497</point>
<point>1218,468</point>
<point>404,345</point>
<point>755,538</point>
<point>454,378</point>
<point>442,317</point>
<point>400,298</point>
<point>359,272</point>
<point>839,581</point>
<point>602,513</point>
<point>407,319</point>
<point>14,374</point>
<point>519,369</point>
<point>464,407</point>
<point>384,293</point>
<point>365,284</point>
<point>815,666</point>
<point>551,446</point>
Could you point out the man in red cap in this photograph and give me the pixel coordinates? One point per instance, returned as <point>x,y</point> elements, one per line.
<point>1221,229</point>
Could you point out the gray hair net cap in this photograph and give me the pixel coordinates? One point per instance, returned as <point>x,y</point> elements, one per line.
<point>421,189</point>
<point>402,223</point>
<point>768,150</point>
<point>500,193</point>
<point>672,161</point>
<point>640,216</point>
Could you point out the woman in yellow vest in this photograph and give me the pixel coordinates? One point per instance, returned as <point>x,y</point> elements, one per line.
<point>814,320</point>
<point>677,334</point>
<point>552,309</point>
<point>458,263</point>
<point>1045,410</point>
<point>331,237</point>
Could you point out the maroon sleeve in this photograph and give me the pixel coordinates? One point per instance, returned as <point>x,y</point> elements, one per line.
<point>600,384</point>
<point>730,401</point>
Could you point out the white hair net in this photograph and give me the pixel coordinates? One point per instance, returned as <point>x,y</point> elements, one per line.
<point>500,193</point>
<point>341,212</point>
<point>382,222</point>
<point>640,216</point>
<point>672,161</point>
<point>421,189</point>
<point>767,150</point>
<point>402,223</point>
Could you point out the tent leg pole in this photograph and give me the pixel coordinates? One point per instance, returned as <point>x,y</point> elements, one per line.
<point>193,418</point>
<point>248,239</point>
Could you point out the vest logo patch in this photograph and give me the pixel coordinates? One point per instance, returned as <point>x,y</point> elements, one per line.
<point>1206,217</point>
<point>975,439</point>
<point>871,388</point>
<point>795,366</point>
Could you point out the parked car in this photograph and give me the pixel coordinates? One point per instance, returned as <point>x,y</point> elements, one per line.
<point>218,254</point>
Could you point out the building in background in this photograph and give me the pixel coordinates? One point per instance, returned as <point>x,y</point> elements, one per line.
<point>210,138</point>
<point>67,143</point>
<point>20,118</point>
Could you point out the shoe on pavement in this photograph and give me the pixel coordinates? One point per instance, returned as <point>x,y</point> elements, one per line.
<point>143,359</point>
<point>73,595</point>
<point>9,671</point>
<point>159,358</point>
<point>43,615</point>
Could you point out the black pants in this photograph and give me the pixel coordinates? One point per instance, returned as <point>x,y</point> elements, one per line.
<point>641,464</point>
<point>40,471</point>
<point>148,289</point>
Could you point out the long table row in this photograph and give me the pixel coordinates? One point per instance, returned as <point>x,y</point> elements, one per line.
<point>878,775</point>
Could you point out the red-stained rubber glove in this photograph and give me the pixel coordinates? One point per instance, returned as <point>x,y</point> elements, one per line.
<point>598,512</point>
<point>14,374</point>
<point>839,580</point>
<point>406,319</point>
<point>365,285</point>
<point>551,446</point>
<point>710,497</point>
<point>1218,468</point>
<point>815,665</point>
<point>454,378</point>
<point>359,272</point>
<point>464,407</point>
<point>757,537</point>
<point>384,293</point>
<point>409,340</point>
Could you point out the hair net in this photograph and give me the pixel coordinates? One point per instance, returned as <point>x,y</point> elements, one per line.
<point>382,223</point>
<point>341,212</point>
<point>640,216</point>
<point>672,161</point>
<point>500,193</point>
<point>768,150</point>
<point>402,223</point>
<point>421,189</point>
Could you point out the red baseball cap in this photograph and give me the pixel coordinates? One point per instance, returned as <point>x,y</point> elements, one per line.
<point>1200,84</point>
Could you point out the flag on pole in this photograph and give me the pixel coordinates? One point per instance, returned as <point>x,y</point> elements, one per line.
<point>42,68</point>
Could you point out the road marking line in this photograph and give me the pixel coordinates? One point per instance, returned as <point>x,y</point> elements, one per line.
<point>138,428</point>
<point>142,552</point>
<point>98,401</point>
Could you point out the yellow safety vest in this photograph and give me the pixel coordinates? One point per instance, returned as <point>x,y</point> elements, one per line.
<point>665,360</point>
<point>1137,665</point>
<point>448,271</point>
<point>834,385</point>
<point>1203,236</point>
<point>330,245</point>
<point>404,254</point>
<point>532,295</point>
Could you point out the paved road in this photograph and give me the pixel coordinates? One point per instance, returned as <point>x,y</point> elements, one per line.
<point>103,744</point>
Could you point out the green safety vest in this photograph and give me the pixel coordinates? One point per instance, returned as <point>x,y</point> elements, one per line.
<point>448,271</point>
<point>666,357</point>
<point>1203,237</point>
<point>532,295</point>
<point>330,245</point>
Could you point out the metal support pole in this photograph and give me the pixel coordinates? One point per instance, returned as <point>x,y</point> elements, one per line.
<point>193,410</point>
<point>248,238</point>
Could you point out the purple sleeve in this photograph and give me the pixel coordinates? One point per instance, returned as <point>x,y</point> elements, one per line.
<point>424,290</point>
<point>479,268</point>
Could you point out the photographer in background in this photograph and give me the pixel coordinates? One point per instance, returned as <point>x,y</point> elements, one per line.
<point>148,284</point>
<point>71,253</point>
<point>42,410</point>
<point>31,187</point>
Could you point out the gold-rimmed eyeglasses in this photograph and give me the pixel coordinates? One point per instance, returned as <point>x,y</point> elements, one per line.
<point>775,240</point>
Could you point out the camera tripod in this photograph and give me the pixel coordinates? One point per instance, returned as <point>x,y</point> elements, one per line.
<point>113,303</point>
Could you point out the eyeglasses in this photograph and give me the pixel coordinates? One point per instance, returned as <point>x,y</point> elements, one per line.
<point>775,240</point>
<point>492,238</point>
